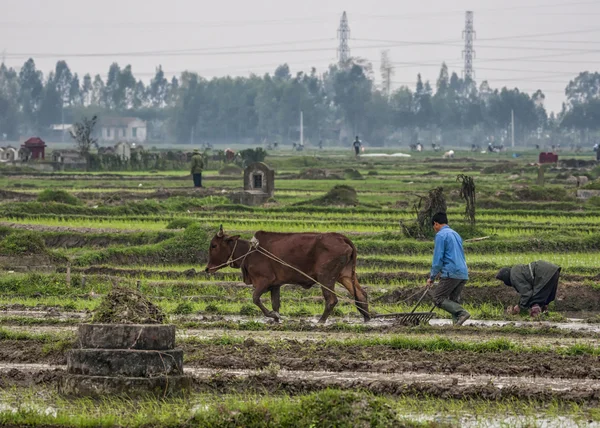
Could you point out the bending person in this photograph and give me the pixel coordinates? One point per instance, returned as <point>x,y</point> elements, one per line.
<point>535,282</point>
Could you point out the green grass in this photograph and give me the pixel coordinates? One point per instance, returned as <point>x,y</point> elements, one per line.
<point>330,408</point>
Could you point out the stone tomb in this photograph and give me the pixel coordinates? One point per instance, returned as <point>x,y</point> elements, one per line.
<point>128,359</point>
<point>259,185</point>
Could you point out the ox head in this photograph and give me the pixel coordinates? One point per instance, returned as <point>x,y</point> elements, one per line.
<point>220,250</point>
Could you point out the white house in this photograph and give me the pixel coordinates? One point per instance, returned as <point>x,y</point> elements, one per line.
<point>10,154</point>
<point>122,129</point>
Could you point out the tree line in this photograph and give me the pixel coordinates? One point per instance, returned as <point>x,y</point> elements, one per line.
<point>190,108</point>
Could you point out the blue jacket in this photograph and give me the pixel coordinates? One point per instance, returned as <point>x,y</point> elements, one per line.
<point>449,256</point>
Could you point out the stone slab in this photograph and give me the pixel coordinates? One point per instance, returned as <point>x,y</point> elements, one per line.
<point>125,362</point>
<point>127,336</point>
<point>101,386</point>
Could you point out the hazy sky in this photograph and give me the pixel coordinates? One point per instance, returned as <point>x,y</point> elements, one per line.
<point>526,43</point>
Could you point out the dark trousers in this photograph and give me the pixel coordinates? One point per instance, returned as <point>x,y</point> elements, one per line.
<point>447,288</point>
<point>356,151</point>
<point>197,179</point>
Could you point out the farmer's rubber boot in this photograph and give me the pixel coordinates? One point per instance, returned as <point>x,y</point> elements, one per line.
<point>459,315</point>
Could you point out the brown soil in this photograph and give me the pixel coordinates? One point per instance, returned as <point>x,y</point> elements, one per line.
<point>318,356</point>
<point>289,382</point>
<point>17,196</point>
<point>570,298</point>
<point>308,356</point>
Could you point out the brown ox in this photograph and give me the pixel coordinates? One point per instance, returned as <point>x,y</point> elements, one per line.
<point>325,257</point>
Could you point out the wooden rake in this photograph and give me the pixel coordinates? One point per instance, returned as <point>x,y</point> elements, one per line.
<point>411,318</point>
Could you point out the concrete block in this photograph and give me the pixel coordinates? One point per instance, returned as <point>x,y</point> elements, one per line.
<point>127,336</point>
<point>125,362</point>
<point>103,386</point>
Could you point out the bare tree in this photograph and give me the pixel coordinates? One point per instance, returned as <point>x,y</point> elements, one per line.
<point>82,134</point>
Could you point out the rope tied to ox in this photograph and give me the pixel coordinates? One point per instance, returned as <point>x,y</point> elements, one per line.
<point>256,248</point>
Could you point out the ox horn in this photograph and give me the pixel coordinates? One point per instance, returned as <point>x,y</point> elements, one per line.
<point>220,233</point>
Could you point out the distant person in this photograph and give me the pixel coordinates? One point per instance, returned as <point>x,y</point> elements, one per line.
<point>450,265</point>
<point>536,284</point>
<point>197,167</point>
<point>357,145</point>
<point>321,144</point>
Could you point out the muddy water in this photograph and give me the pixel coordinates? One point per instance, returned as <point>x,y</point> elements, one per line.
<point>318,336</point>
<point>326,377</point>
<point>409,378</point>
<point>573,324</point>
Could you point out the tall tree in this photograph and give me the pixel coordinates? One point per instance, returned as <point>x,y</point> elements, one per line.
<point>50,109</point>
<point>75,94</point>
<point>9,103</point>
<point>353,91</point>
<point>87,89</point>
<point>159,87</point>
<point>31,92</point>
<point>99,95</point>
<point>62,81</point>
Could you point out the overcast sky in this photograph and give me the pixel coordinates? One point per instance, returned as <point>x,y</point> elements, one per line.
<point>531,44</point>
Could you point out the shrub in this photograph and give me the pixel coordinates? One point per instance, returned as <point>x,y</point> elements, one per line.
<point>250,156</point>
<point>372,173</point>
<point>61,196</point>
<point>26,243</point>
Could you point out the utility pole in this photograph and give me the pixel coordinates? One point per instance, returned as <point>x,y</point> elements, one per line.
<point>387,70</point>
<point>62,119</point>
<point>343,36</point>
<point>301,128</point>
<point>192,135</point>
<point>468,52</point>
<point>512,127</point>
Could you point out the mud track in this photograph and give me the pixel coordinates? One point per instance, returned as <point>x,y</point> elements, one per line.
<point>305,356</point>
<point>301,382</point>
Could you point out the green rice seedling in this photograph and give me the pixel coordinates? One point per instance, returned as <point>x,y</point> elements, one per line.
<point>249,310</point>
<point>184,308</point>
<point>212,308</point>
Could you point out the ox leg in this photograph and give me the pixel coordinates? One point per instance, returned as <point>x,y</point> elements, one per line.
<point>256,295</point>
<point>359,296</point>
<point>276,301</point>
<point>330,302</point>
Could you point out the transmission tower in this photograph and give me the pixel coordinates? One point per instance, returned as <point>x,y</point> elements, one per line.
<point>343,36</point>
<point>468,53</point>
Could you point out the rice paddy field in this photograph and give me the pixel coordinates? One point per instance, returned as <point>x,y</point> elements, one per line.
<point>67,238</point>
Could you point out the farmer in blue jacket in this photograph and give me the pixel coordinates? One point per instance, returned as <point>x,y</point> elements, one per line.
<point>450,265</point>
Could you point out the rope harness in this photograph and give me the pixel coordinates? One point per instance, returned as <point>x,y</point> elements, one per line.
<point>255,247</point>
